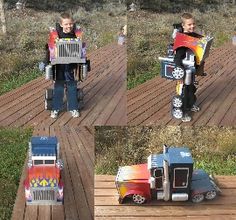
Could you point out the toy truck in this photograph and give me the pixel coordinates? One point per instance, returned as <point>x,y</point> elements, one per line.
<point>43,185</point>
<point>168,176</point>
<point>66,51</point>
<point>198,48</point>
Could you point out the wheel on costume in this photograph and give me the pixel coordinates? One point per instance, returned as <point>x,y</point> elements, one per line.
<point>80,94</point>
<point>178,73</point>
<point>48,93</point>
<point>177,101</point>
<point>138,199</point>
<point>211,195</point>
<point>177,113</point>
<point>48,104</point>
<point>197,198</point>
<point>81,105</point>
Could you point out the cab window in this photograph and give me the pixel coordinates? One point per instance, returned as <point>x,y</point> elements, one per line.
<point>181,177</point>
<point>49,162</point>
<point>38,162</point>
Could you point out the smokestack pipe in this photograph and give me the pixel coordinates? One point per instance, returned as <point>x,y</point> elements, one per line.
<point>166,182</point>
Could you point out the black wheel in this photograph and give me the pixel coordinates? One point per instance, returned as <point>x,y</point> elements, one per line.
<point>48,104</point>
<point>138,199</point>
<point>88,65</point>
<point>81,105</point>
<point>197,198</point>
<point>177,113</point>
<point>211,195</point>
<point>48,93</point>
<point>177,101</point>
<point>80,94</point>
<point>178,73</point>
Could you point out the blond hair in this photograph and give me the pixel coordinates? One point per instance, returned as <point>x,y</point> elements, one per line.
<point>65,15</point>
<point>186,16</point>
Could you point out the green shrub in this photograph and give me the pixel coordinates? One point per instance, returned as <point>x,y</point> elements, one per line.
<point>213,148</point>
<point>13,147</point>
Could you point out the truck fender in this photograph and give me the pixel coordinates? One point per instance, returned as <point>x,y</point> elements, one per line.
<point>139,192</point>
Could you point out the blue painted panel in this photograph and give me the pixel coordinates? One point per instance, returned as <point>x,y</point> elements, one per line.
<point>44,146</point>
<point>174,155</point>
<point>167,69</point>
<point>179,155</point>
<point>201,182</point>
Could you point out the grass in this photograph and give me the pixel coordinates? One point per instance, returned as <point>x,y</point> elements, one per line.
<point>213,148</point>
<point>150,33</point>
<point>141,78</point>
<point>16,81</point>
<point>13,147</point>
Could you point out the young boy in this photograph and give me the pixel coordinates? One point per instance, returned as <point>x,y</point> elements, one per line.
<point>188,25</point>
<point>64,74</point>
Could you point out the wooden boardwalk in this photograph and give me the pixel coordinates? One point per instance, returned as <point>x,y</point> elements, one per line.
<point>149,103</point>
<point>105,95</point>
<point>107,207</point>
<point>77,153</point>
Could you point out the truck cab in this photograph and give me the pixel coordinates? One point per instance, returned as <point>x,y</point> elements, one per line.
<point>168,176</point>
<point>43,183</point>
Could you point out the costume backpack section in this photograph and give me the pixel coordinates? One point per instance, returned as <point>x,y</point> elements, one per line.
<point>43,185</point>
<point>197,50</point>
<point>66,51</point>
<point>168,176</point>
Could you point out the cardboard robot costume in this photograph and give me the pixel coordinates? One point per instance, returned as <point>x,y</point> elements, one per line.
<point>65,51</point>
<point>197,50</point>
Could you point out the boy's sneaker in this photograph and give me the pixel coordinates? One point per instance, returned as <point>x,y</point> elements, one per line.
<point>186,118</point>
<point>54,113</point>
<point>75,113</point>
<point>195,108</point>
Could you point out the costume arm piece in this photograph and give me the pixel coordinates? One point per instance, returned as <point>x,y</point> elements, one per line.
<point>47,55</point>
<point>179,56</point>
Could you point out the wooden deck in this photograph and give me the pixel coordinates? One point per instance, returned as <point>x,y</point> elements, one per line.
<point>107,207</point>
<point>77,153</point>
<point>149,103</point>
<point>105,95</point>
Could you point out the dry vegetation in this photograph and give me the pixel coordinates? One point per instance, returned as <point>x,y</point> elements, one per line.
<point>213,148</point>
<point>150,32</point>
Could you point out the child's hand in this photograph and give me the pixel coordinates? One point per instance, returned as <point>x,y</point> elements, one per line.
<point>42,66</point>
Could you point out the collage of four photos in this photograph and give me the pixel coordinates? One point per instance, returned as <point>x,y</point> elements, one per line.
<point>117,109</point>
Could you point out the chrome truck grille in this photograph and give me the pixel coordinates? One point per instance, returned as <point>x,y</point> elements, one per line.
<point>68,52</point>
<point>42,195</point>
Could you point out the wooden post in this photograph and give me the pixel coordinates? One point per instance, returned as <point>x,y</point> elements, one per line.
<point>3,18</point>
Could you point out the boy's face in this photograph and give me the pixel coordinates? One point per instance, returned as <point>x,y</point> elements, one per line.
<point>189,25</point>
<point>67,25</point>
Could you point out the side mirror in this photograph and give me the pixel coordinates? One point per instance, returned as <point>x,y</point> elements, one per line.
<point>30,164</point>
<point>60,164</point>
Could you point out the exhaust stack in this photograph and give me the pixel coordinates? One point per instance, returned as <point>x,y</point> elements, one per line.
<point>166,182</point>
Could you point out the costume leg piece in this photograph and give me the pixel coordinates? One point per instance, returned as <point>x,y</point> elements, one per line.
<point>72,95</point>
<point>57,100</point>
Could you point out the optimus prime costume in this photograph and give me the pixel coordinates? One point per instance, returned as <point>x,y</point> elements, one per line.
<point>69,51</point>
<point>196,49</point>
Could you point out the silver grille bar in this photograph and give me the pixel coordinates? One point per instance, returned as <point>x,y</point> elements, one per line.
<point>42,195</point>
<point>68,52</point>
